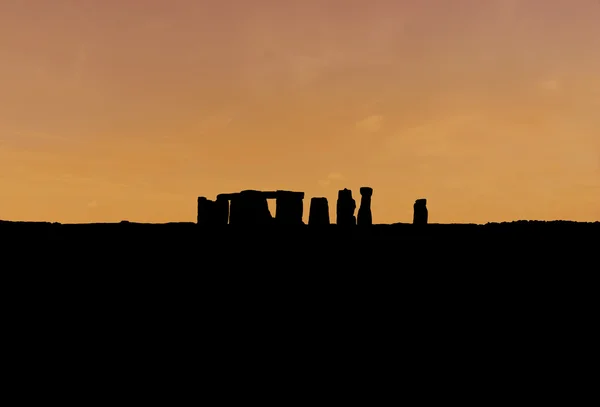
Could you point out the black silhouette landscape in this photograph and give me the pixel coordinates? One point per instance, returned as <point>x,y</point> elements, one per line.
<point>237,231</point>
<point>239,274</point>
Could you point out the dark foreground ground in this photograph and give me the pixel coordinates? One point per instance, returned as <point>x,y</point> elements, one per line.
<point>179,262</point>
<point>179,247</point>
<point>506,302</point>
<point>399,258</point>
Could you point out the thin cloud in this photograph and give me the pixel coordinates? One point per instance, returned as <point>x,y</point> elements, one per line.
<point>331,177</point>
<point>371,124</point>
<point>22,140</point>
<point>551,85</point>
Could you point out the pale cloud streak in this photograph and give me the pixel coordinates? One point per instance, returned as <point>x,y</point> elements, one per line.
<point>331,178</point>
<point>551,85</point>
<point>371,124</point>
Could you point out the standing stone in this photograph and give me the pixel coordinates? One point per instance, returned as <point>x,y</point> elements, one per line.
<point>364,212</point>
<point>221,211</point>
<point>346,206</point>
<point>250,208</point>
<point>319,212</point>
<point>236,209</point>
<point>206,209</point>
<point>420,212</point>
<point>289,207</point>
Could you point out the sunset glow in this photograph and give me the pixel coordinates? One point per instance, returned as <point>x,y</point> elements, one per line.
<point>130,109</point>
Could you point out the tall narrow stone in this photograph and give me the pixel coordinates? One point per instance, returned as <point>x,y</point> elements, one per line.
<point>289,207</point>
<point>206,211</point>
<point>420,214</point>
<point>236,209</point>
<point>221,211</point>
<point>319,212</point>
<point>346,205</point>
<point>364,212</point>
<point>250,208</point>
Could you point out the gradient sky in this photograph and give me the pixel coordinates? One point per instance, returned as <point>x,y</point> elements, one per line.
<point>130,109</point>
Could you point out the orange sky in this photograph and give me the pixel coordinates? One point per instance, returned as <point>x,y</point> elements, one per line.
<point>130,109</point>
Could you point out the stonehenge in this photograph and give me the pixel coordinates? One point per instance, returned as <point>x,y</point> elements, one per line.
<point>205,211</point>
<point>250,208</point>
<point>420,213</point>
<point>346,205</point>
<point>212,213</point>
<point>221,211</point>
<point>289,207</point>
<point>319,212</point>
<point>364,212</point>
